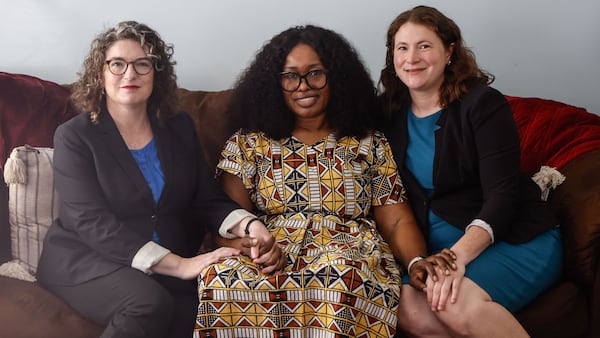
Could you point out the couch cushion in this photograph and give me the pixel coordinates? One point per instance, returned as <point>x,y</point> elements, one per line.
<point>27,310</point>
<point>559,312</point>
<point>32,203</point>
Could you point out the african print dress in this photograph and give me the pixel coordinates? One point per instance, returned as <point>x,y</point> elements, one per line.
<point>341,279</point>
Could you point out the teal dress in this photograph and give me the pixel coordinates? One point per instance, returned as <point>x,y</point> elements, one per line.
<point>512,274</point>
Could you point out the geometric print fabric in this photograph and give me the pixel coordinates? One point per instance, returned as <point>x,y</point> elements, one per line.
<point>341,279</point>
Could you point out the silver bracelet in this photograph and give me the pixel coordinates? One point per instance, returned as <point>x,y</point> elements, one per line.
<point>412,262</point>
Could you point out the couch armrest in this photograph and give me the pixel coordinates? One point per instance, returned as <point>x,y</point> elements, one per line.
<point>595,305</point>
<point>577,203</point>
<point>28,310</point>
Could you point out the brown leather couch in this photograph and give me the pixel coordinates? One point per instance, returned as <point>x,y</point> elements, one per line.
<point>552,133</point>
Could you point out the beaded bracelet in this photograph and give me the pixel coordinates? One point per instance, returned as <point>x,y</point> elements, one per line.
<point>247,230</point>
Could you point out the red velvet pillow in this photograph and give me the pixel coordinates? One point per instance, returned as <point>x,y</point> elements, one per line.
<point>553,133</point>
<point>30,111</point>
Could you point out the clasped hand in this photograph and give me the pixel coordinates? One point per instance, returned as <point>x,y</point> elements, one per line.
<point>439,276</point>
<point>260,245</point>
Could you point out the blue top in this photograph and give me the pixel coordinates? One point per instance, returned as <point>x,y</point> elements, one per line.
<point>149,163</point>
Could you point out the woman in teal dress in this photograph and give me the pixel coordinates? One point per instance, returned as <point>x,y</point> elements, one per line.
<point>459,148</point>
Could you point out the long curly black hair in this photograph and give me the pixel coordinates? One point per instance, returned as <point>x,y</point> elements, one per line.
<point>459,74</point>
<point>258,102</point>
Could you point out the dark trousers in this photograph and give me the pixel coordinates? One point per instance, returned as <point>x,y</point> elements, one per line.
<point>132,304</point>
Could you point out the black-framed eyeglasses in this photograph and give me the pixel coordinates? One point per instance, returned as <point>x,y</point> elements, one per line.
<point>315,79</point>
<point>141,66</point>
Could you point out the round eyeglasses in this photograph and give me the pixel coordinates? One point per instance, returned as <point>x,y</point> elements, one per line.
<point>141,66</point>
<point>315,79</point>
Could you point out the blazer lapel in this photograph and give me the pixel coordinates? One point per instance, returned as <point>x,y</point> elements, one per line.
<point>121,154</point>
<point>398,136</point>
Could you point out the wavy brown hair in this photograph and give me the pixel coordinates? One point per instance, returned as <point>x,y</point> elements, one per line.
<point>258,102</point>
<point>88,91</point>
<point>459,74</point>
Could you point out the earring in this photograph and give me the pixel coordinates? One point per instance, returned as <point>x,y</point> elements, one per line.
<point>449,62</point>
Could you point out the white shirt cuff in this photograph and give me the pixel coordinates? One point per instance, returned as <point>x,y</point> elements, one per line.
<point>148,255</point>
<point>484,225</point>
<point>232,220</point>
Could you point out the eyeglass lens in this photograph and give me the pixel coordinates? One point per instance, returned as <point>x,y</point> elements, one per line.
<point>140,66</point>
<point>315,79</point>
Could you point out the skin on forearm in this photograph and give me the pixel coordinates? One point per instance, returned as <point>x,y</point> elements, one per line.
<point>399,229</point>
<point>471,244</point>
<point>168,265</point>
<point>190,268</point>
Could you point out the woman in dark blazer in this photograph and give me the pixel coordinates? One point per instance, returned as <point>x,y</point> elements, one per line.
<point>136,195</point>
<point>457,147</point>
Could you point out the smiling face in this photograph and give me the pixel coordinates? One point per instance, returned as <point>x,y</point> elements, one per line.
<point>129,89</point>
<point>304,101</point>
<point>420,58</point>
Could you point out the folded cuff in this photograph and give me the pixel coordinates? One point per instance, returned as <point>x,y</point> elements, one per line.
<point>148,255</point>
<point>232,220</point>
<point>484,225</point>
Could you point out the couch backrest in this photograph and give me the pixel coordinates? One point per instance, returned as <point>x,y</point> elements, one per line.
<point>552,133</point>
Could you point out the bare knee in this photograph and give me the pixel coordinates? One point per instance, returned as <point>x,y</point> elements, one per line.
<point>414,315</point>
<point>461,317</point>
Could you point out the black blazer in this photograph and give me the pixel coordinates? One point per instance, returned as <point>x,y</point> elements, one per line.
<point>107,212</point>
<point>475,169</point>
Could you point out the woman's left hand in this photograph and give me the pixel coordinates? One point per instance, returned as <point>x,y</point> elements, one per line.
<point>433,267</point>
<point>445,288</point>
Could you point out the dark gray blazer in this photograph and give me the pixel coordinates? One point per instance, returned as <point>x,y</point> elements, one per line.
<point>107,212</point>
<point>475,169</point>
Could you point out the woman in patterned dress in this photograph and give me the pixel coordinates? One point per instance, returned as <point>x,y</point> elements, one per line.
<point>307,161</point>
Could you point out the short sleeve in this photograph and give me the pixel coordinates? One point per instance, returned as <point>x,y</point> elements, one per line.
<point>237,158</point>
<point>386,182</point>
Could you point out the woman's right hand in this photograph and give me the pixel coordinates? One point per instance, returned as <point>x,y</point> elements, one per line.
<point>190,268</point>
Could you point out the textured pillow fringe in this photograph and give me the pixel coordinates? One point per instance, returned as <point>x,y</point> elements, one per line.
<point>15,269</point>
<point>14,169</point>
<point>548,178</point>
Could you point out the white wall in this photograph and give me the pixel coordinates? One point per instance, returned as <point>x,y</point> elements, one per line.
<point>537,48</point>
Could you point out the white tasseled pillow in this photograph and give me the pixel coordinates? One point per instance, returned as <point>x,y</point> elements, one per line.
<point>32,202</point>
